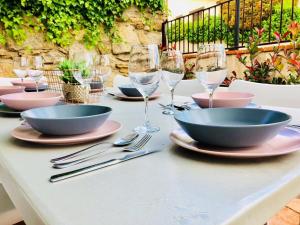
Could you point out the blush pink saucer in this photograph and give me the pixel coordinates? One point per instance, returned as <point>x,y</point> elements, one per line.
<point>29,100</point>
<point>11,89</point>
<point>287,141</point>
<point>224,99</point>
<point>27,133</point>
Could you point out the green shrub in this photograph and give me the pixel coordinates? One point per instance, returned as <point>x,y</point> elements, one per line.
<point>198,33</point>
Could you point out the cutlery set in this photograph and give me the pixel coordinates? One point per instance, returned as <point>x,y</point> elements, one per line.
<point>129,141</point>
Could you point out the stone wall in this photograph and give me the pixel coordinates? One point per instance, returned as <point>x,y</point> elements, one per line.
<point>134,28</point>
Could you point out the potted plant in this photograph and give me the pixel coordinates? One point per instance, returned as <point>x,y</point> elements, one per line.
<point>282,66</point>
<point>73,91</point>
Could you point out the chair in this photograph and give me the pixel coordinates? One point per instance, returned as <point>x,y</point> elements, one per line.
<point>269,94</point>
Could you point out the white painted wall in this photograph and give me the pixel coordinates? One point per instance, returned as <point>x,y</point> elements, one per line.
<point>182,7</point>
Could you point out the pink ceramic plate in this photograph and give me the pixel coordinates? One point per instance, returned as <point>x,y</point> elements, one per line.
<point>26,83</point>
<point>122,96</point>
<point>224,99</point>
<point>29,100</point>
<point>27,133</point>
<point>10,89</point>
<point>287,141</point>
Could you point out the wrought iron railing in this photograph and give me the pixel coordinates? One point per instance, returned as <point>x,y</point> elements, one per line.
<point>231,22</point>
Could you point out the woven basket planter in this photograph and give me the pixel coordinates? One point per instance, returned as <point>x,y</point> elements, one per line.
<point>75,93</point>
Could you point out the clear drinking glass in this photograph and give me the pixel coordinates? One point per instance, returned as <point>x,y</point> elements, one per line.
<point>172,66</point>
<point>36,73</point>
<point>21,66</point>
<point>211,69</point>
<point>102,69</point>
<point>83,74</point>
<point>144,73</point>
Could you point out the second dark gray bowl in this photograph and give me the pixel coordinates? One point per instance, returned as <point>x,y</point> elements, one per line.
<point>130,90</point>
<point>232,127</point>
<point>67,119</point>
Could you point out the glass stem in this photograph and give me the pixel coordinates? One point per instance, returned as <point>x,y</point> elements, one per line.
<point>146,111</point>
<point>37,86</point>
<point>172,99</point>
<point>211,94</point>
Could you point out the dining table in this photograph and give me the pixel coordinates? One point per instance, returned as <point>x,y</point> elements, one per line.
<point>174,186</point>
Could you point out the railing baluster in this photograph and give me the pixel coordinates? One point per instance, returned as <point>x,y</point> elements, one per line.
<point>221,35</point>
<point>198,30</point>
<point>270,24</point>
<point>193,32</point>
<point>208,27</point>
<point>243,23</point>
<point>228,14</point>
<point>281,12</point>
<point>188,33</point>
<point>293,5</point>
<point>183,30</point>
<point>203,24</point>
<point>261,11</point>
<point>237,24</point>
<point>175,33</point>
<point>252,8</point>
<point>215,18</point>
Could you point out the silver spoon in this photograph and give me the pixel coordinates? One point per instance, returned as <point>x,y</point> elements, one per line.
<point>135,147</point>
<point>123,141</point>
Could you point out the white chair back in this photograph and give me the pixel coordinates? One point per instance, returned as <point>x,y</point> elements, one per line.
<point>269,94</point>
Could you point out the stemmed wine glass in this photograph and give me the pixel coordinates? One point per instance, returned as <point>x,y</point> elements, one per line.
<point>21,66</point>
<point>172,66</point>
<point>36,74</point>
<point>102,69</point>
<point>144,73</point>
<point>83,74</point>
<point>211,69</point>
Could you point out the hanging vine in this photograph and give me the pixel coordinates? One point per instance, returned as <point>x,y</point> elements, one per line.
<point>61,19</point>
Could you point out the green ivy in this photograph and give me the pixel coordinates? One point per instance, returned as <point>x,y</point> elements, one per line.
<point>61,18</point>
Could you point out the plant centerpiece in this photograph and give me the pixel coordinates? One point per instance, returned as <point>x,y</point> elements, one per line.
<point>281,66</point>
<point>73,91</point>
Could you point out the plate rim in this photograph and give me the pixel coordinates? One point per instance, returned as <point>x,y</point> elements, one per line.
<point>63,141</point>
<point>225,154</point>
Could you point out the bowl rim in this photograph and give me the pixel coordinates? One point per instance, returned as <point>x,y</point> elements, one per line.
<point>251,96</point>
<point>7,96</point>
<point>127,86</point>
<point>61,106</point>
<point>289,118</point>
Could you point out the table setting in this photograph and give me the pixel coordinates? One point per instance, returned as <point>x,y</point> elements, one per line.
<point>82,138</point>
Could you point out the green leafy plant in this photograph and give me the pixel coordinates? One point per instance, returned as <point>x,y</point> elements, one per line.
<point>68,67</point>
<point>61,18</point>
<point>272,69</point>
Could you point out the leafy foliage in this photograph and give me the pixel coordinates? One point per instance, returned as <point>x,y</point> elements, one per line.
<point>61,18</point>
<point>68,67</point>
<point>271,69</point>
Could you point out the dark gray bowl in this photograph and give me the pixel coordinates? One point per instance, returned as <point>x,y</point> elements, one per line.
<point>232,127</point>
<point>67,119</point>
<point>130,90</point>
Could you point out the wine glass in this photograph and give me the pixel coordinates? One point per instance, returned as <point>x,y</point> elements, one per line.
<point>36,73</point>
<point>144,73</point>
<point>83,71</point>
<point>172,66</point>
<point>102,69</point>
<point>21,66</point>
<point>211,69</point>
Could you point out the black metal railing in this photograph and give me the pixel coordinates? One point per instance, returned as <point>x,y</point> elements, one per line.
<point>231,22</point>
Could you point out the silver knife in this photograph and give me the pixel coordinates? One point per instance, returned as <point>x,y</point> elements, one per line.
<point>77,172</point>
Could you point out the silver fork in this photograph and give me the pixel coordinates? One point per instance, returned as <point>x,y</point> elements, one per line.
<point>135,147</point>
